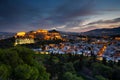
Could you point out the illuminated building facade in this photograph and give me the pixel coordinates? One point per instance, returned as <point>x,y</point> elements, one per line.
<point>23,38</point>
<point>24,41</point>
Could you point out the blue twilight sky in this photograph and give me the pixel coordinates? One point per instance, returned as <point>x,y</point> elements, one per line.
<point>64,15</point>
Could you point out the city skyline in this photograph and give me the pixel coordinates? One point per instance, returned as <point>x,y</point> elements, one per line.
<point>63,15</point>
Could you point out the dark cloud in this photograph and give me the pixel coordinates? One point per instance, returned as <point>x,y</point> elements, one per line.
<point>71,12</point>
<point>42,13</point>
<point>116,20</point>
<point>16,15</point>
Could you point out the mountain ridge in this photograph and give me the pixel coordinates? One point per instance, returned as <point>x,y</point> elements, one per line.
<point>103,32</point>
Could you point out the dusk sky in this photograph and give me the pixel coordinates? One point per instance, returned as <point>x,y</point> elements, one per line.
<point>63,15</point>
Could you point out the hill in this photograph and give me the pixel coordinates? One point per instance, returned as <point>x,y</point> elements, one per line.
<point>104,31</point>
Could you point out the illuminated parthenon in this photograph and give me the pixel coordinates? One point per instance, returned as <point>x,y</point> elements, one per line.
<point>41,34</point>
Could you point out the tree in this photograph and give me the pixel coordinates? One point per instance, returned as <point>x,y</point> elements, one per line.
<point>99,77</point>
<point>116,73</point>
<point>35,73</point>
<point>4,72</point>
<point>68,67</point>
<point>18,63</point>
<point>104,61</point>
<point>10,57</point>
<point>43,75</point>
<point>70,76</point>
<point>23,72</point>
<point>52,66</point>
<point>78,65</point>
<point>118,62</point>
<point>100,69</point>
<point>25,54</point>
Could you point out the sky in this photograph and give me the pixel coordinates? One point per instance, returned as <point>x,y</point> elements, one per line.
<point>62,15</point>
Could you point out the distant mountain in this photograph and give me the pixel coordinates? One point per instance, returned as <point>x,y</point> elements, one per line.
<point>4,35</point>
<point>7,33</point>
<point>103,32</point>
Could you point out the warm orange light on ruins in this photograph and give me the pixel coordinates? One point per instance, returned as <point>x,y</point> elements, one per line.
<point>42,31</point>
<point>21,34</point>
<point>27,38</point>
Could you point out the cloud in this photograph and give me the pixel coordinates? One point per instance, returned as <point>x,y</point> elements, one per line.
<point>75,28</point>
<point>15,13</point>
<point>28,15</point>
<point>116,20</point>
<point>104,24</point>
<point>43,13</point>
<point>112,23</point>
<point>71,12</point>
<point>61,27</point>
